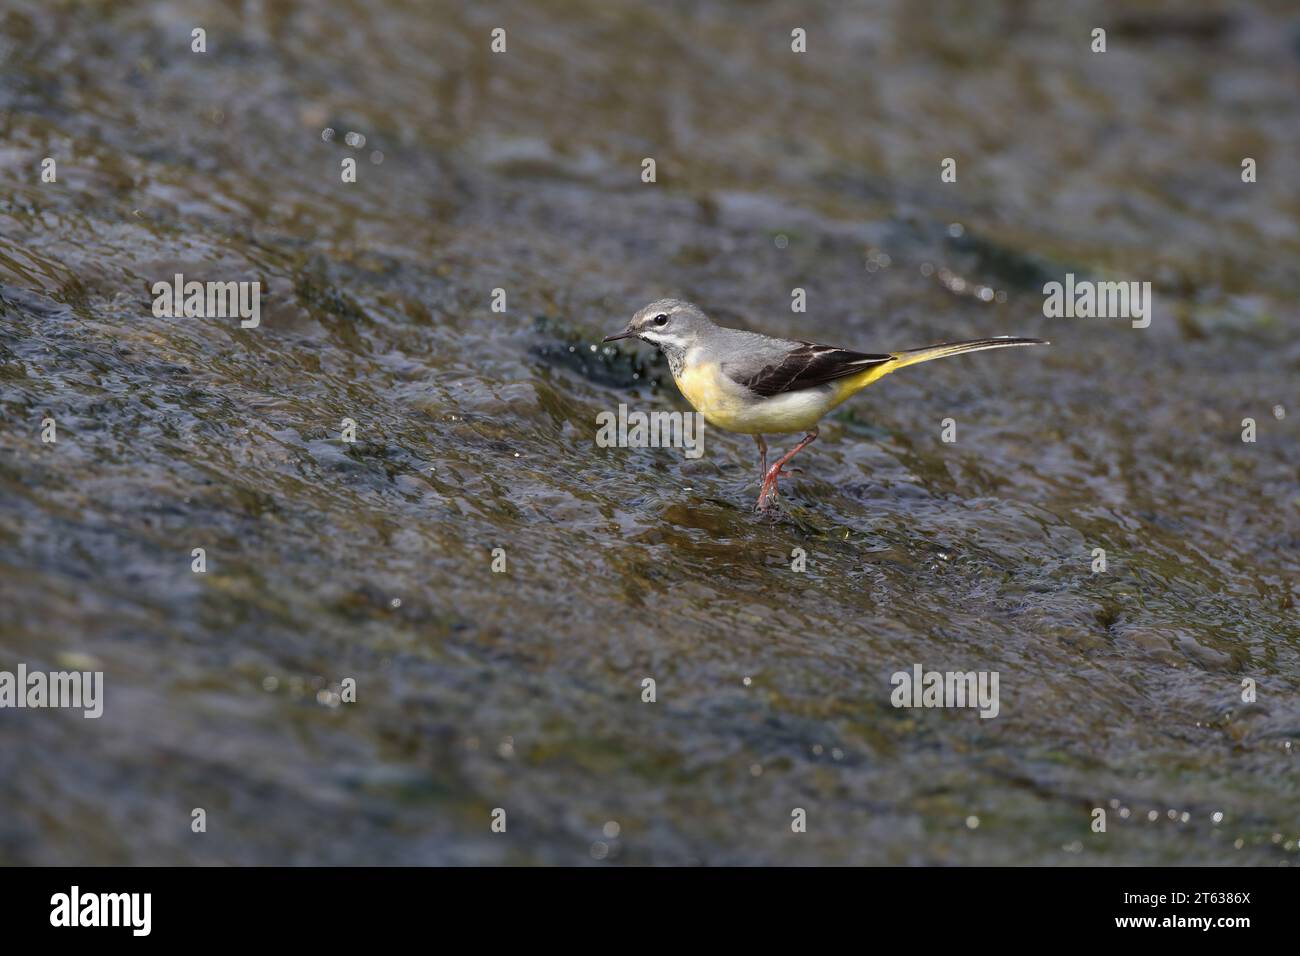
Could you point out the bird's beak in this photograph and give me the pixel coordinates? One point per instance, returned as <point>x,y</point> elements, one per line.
<point>625,334</point>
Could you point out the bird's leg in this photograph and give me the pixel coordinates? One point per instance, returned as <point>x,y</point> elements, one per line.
<point>762,455</point>
<point>768,491</point>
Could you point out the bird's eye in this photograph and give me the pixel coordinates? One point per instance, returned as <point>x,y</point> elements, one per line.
<point>661,319</point>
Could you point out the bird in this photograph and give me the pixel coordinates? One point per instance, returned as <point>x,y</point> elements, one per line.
<point>755,384</point>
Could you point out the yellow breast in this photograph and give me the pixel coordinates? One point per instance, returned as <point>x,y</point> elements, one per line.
<point>724,404</point>
<point>700,386</point>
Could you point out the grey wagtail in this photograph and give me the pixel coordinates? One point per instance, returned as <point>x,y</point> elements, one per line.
<point>754,384</point>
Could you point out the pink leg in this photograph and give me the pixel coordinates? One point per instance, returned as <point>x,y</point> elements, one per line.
<point>768,491</point>
<point>762,454</point>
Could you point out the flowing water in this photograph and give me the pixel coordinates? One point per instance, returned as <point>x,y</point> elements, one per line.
<point>372,561</point>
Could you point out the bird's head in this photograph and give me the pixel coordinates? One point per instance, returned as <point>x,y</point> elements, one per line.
<point>666,323</point>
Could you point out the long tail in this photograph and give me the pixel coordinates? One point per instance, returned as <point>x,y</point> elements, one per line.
<point>913,356</point>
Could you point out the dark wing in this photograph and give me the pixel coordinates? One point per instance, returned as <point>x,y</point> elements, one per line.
<point>804,366</point>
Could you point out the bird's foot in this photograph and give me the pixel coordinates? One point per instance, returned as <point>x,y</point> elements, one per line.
<point>768,492</point>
